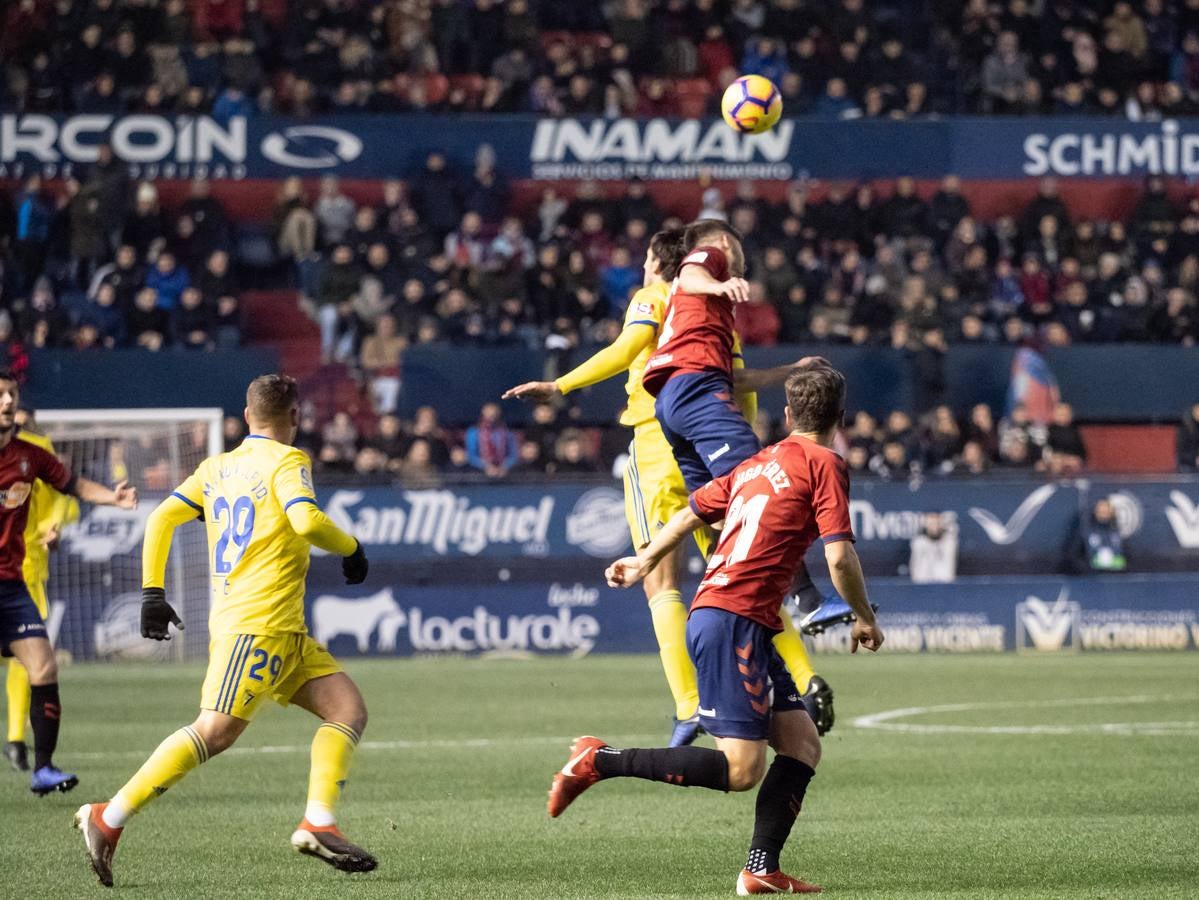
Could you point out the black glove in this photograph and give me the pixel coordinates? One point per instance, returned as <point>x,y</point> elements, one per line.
<point>158,615</point>
<point>355,566</point>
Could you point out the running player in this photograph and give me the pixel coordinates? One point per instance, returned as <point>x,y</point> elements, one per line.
<point>22,628</point>
<point>653,486</point>
<point>49,511</point>
<point>260,510</point>
<point>775,505</point>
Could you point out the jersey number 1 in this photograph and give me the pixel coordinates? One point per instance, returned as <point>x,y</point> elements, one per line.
<point>237,527</point>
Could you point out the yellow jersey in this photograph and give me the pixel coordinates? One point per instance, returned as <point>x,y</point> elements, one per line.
<point>48,509</point>
<point>257,561</point>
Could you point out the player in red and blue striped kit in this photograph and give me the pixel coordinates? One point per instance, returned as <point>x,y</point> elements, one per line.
<point>775,505</point>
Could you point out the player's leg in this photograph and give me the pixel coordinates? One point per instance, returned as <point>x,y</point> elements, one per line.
<point>225,712</point>
<point>731,656</point>
<point>653,493</point>
<point>331,696</point>
<point>45,713</point>
<point>17,691</point>
<point>796,743</point>
<point>704,416</point>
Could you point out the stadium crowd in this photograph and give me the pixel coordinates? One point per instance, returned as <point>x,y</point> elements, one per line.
<point>843,58</point>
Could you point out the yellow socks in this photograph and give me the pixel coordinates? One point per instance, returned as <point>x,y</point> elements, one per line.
<point>17,688</point>
<point>175,757</point>
<point>669,615</point>
<point>789,645</point>
<point>332,748</point>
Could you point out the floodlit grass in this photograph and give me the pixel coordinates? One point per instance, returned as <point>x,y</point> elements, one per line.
<point>449,787</point>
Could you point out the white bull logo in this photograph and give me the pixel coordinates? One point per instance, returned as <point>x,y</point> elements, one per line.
<point>334,616</point>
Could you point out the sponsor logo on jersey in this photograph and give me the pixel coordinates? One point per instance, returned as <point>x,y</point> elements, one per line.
<point>16,494</point>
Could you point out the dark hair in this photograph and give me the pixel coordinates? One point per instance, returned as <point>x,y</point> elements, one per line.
<point>816,398</point>
<point>667,246</point>
<point>272,397</point>
<point>698,231</point>
<point>7,375</point>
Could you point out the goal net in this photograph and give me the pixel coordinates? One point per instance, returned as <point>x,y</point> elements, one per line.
<point>95,582</point>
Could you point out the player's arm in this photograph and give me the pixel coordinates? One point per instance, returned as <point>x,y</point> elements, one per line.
<point>124,495</point>
<point>50,469</point>
<point>183,505</point>
<point>747,380</point>
<point>699,275</point>
<point>628,571</point>
<point>830,507</point>
<point>707,506</point>
<point>293,485</point>
<point>610,361</point>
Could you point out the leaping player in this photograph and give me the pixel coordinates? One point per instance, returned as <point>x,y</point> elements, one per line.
<point>775,505</point>
<point>260,510</point>
<point>22,628</point>
<point>654,489</point>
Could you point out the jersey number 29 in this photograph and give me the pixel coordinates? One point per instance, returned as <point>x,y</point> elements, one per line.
<point>237,527</point>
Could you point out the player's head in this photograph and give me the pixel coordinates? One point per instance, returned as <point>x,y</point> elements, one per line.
<point>10,401</point>
<point>273,407</point>
<point>815,400</point>
<point>663,256</point>
<point>721,235</point>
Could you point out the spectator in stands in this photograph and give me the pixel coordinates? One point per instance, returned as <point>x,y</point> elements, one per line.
<point>417,469</point>
<point>758,322</point>
<point>148,324</point>
<point>35,212</point>
<point>104,315</point>
<point>1187,441</point>
<point>339,439</point>
<point>294,224</point>
<point>426,427</point>
<point>338,285</point>
<point>571,456</point>
<point>1004,74</point>
<point>169,280</point>
<point>933,556</point>
<point>1096,546</point>
<point>380,361</point>
<point>334,212</point>
<point>145,229</point>
<point>491,447</point>
<point>193,321</point>
<point>1065,451</point>
<point>436,196</point>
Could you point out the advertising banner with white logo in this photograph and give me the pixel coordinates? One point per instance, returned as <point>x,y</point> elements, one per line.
<point>366,146</point>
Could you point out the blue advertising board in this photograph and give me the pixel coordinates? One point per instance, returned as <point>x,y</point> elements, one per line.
<point>1003,526</point>
<point>366,146</point>
<point>974,615</point>
<point>520,569</point>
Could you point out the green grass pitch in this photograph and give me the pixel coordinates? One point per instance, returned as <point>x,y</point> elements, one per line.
<point>1048,777</point>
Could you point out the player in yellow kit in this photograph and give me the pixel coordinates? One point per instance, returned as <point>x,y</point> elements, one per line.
<point>48,512</point>
<point>654,489</point>
<point>259,507</point>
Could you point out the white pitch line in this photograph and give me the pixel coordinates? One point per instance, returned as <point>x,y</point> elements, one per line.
<point>431,744</point>
<point>885,721</point>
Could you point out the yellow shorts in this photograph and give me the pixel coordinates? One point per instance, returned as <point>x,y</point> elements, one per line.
<point>653,487</point>
<point>244,669</point>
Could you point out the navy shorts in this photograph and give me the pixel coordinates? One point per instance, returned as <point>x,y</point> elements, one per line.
<point>19,617</point>
<point>741,677</point>
<point>706,430</point>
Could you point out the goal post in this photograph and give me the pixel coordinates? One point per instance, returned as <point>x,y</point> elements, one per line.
<point>94,590</point>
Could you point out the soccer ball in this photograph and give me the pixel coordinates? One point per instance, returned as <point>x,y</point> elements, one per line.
<point>751,104</point>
